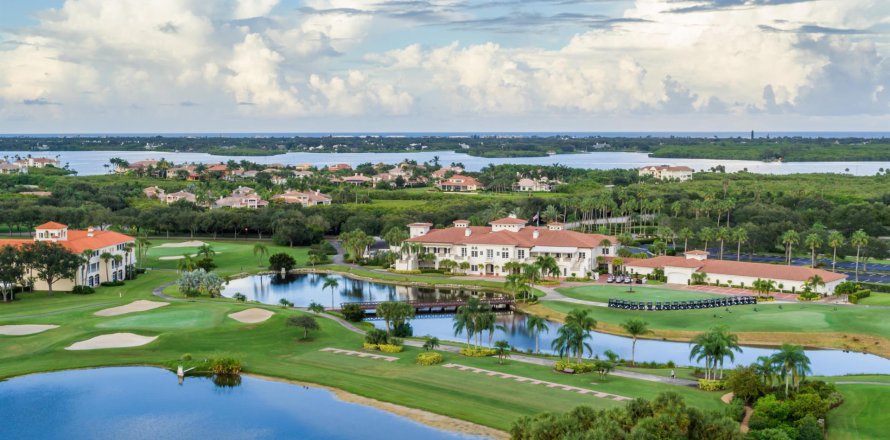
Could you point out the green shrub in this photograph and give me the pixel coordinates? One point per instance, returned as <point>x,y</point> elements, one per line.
<point>369,346</point>
<point>736,410</point>
<point>858,295</point>
<point>224,365</point>
<point>477,352</point>
<point>376,336</point>
<point>353,312</point>
<point>239,297</point>
<point>186,357</point>
<point>112,283</point>
<point>711,385</point>
<point>406,272</point>
<point>83,290</point>
<point>564,364</point>
<point>428,358</point>
<point>390,348</point>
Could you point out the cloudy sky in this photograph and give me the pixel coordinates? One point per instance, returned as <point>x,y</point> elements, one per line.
<point>69,66</point>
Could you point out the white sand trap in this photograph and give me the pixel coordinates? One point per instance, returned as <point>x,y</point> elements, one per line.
<point>135,306</point>
<point>252,316</point>
<point>179,257</point>
<point>25,329</point>
<point>113,340</point>
<point>193,243</point>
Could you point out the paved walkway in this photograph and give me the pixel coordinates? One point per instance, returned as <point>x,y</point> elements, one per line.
<point>571,388</point>
<point>360,354</point>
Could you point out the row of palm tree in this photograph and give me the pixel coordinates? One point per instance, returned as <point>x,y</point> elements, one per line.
<point>572,337</point>
<point>474,318</point>
<point>814,241</point>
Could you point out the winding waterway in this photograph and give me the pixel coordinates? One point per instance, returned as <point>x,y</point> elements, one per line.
<point>147,403</point>
<point>307,288</point>
<point>93,162</point>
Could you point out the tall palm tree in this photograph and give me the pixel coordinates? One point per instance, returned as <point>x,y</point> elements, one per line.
<point>516,284</point>
<point>86,255</point>
<point>789,239</point>
<point>333,284</point>
<point>142,245</point>
<point>813,241</point>
<point>685,234</point>
<point>548,265</point>
<point>740,235</point>
<point>793,364</point>
<point>536,325</point>
<point>835,240</point>
<point>532,274</point>
<point>727,344</point>
<point>722,235</point>
<point>635,328</point>
<point>106,257</point>
<point>467,318</point>
<point>260,250</point>
<point>706,234</point>
<point>571,339</point>
<point>859,239</point>
<point>814,282</point>
<point>703,349</point>
<point>766,369</point>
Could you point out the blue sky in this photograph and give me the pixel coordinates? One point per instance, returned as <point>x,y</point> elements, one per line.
<point>443,65</point>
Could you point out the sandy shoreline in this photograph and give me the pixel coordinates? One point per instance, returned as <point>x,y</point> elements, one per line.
<point>430,419</point>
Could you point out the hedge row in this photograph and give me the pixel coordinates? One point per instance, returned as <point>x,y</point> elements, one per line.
<point>477,352</point>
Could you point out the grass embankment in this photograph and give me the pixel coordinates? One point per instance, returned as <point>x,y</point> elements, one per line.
<point>876,299</point>
<point>813,325</point>
<point>863,414</point>
<point>603,293</point>
<point>203,329</point>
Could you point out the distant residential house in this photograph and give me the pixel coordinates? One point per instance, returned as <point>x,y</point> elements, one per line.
<point>218,168</point>
<point>183,170</point>
<point>357,179</point>
<point>302,174</point>
<point>666,172</point>
<point>383,177</point>
<point>310,198</point>
<point>153,192</point>
<point>242,197</point>
<point>441,172</point>
<point>339,167</point>
<point>8,168</point>
<point>303,167</point>
<point>529,185</point>
<point>459,183</point>
<point>140,165</point>
<point>38,162</point>
<point>179,195</point>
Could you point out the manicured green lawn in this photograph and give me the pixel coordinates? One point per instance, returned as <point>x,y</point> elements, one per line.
<point>203,329</point>
<point>876,299</point>
<point>863,415</point>
<point>231,256</point>
<point>602,293</point>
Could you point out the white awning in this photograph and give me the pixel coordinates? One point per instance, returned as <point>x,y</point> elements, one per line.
<point>555,249</point>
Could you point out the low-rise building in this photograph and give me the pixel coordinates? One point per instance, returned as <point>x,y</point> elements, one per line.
<point>357,179</point>
<point>38,162</point>
<point>153,192</point>
<point>9,168</point>
<point>309,198</point>
<point>339,167</point>
<point>459,183</point>
<point>92,244</point>
<point>179,195</point>
<point>529,185</point>
<point>667,172</point>
<point>680,270</point>
<point>488,249</point>
<point>441,172</point>
<point>242,197</point>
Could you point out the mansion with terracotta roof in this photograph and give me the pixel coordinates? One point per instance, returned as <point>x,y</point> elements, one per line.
<point>488,248</point>
<point>667,172</point>
<point>679,270</point>
<point>93,241</point>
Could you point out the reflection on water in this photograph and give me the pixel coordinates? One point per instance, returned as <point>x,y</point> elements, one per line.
<point>513,329</point>
<point>303,289</point>
<point>146,403</point>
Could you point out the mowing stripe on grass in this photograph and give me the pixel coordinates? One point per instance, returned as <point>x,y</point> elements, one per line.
<point>578,390</point>
<point>360,354</point>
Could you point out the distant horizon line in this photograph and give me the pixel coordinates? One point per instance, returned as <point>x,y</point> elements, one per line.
<point>717,133</point>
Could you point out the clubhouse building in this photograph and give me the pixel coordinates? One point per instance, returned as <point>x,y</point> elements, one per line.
<point>92,241</point>
<point>487,249</point>
<point>679,270</point>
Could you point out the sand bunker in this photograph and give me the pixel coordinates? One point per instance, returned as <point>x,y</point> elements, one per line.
<point>179,257</point>
<point>25,329</point>
<point>193,243</point>
<point>135,306</point>
<point>113,340</point>
<point>251,316</point>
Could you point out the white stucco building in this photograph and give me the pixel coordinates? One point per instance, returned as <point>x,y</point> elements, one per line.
<point>666,172</point>
<point>679,270</point>
<point>488,248</point>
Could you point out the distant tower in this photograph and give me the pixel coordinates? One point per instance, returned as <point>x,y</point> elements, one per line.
<point>752,135</point>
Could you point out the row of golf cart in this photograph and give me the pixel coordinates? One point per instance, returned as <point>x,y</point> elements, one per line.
<point>683,305</point>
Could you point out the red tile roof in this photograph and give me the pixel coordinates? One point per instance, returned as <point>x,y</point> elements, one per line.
<point>52,225</point>
<point>522,238</point>
<point>738,268</point>
<point>79,241</point>
<point>509,221</point>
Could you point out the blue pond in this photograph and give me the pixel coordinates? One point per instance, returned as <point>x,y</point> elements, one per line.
<point>147,403</point>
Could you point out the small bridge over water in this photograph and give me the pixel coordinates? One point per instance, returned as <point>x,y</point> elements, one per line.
<point>430,307</point>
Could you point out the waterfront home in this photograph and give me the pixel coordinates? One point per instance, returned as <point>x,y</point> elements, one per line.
<point>529,185</point>
<point>666,172</point>
<point>680,270</point>
<point>187,172</point>
<point>441,172</point>
<point>488,249</point>
<point>8,168</point>
<point>339,167</point>
<point>179,195</point>
<point>38,162</point>
<point>357,179</point>
<point>459,183</point>
<point>90,243</point>
<point>309,198</point>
